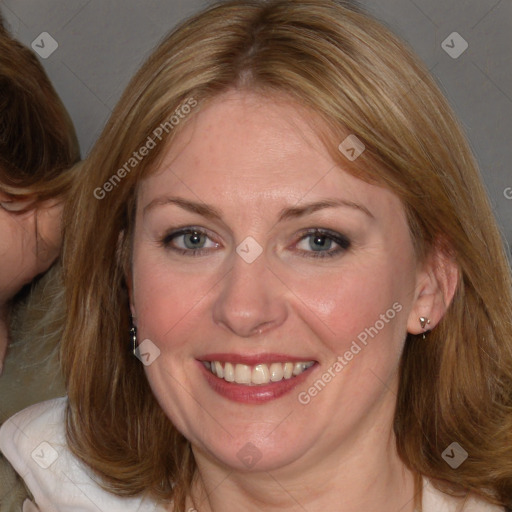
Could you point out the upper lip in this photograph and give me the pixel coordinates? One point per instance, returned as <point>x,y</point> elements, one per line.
<point>252,360</point>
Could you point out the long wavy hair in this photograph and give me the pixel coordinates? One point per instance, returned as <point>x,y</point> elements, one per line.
<point>358,78</point>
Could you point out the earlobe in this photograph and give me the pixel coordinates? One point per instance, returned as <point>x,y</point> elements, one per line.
<point>436,285</point>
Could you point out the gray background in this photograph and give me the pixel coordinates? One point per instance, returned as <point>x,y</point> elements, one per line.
<point>101,43</point>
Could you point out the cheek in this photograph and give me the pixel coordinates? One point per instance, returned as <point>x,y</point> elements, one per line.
<point>17,254</point>
<point>362,302</point>
<point>48,235</point>
<point>166,302</point>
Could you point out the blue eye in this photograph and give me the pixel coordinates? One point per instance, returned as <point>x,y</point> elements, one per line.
<point>194,240</point>
<point>314,243</point>
<point>189,241</point>
<point>322,243</point>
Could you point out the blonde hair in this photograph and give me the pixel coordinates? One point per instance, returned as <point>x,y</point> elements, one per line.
<point>356,76</point>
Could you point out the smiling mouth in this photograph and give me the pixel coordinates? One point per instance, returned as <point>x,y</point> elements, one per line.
<point>256,375</point>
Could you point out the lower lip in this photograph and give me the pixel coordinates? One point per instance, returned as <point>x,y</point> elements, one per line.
<point>258,394</point>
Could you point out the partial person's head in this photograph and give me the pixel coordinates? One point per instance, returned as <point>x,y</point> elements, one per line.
<point>38,146</point>
<point>195,216</point>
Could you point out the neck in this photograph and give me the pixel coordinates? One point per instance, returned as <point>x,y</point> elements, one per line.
<point>367,474</point>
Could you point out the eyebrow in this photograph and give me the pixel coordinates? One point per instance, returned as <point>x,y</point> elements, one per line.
<point>191,206</point>
<point>299,211</point>
<point>285,214</point>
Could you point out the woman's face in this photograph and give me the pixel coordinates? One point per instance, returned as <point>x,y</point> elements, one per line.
<point>29,243</point>
<point>254,251</point>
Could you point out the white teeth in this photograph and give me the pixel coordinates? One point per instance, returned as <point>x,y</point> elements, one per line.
<point>276,372</point>
<point>243,374</point>
<point>258,374</point>
<point>288,370</point>
<point>229,372</point>
<point>299,368</point>
<point>218,369</point>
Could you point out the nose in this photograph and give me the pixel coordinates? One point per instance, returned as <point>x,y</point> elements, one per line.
<point>251,300</point>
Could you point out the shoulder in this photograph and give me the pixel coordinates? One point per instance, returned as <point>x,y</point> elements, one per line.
<point>436,501</point>
<point>34,442</point>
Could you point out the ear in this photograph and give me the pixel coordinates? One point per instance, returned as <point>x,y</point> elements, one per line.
<point>123,260</point>
<point>437,281</point>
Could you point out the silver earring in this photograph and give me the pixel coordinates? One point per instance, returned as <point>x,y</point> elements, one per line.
<point>133,335</point>
<point>424,322</point>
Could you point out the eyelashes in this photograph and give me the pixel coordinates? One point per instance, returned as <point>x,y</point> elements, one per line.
<point>190,246</point>
<point>317,238</point>
<point>194,241</point>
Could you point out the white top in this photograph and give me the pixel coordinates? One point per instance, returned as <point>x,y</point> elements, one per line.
<point>35,444</point>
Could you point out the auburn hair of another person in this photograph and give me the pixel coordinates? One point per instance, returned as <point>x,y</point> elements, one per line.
<point>37,138</point>
<point>356,77</point>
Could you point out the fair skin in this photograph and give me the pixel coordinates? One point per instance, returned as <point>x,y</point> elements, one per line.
<point>250,157</point>
<point>29,244</point>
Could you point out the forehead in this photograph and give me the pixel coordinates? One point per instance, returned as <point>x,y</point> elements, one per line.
<point>243,146</point>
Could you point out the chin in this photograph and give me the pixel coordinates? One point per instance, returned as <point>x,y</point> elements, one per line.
<point>247,457</point>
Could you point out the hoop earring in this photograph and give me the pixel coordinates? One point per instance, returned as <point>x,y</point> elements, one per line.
<point>424,322</point>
